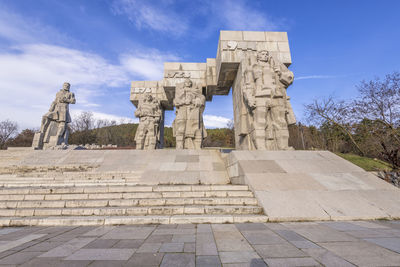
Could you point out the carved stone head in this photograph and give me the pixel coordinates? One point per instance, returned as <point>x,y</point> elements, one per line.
<point>66,86</point>
<point>262,55</point>
<point>188,82</point>
<point>148,98</point>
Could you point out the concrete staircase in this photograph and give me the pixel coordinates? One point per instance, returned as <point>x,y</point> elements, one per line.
<point>114,201</point>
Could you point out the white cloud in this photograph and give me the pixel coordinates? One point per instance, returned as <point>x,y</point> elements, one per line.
<point>23,30</point>
<point>239,15</point>
<point>314,77</point>
<point>156,17</point>
<point>147,64</point>
<point>212,121</point>
<point>30,76</point>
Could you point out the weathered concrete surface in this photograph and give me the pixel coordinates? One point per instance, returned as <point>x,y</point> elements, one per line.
<point>313,185</point>
<point>141,167</point>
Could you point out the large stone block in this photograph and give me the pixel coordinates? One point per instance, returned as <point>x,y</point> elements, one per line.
<point>313,185</point>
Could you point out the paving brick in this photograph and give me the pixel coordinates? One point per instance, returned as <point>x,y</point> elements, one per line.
<point>145,259</point>
<point>183,238</point>
<point>251,226</point>
<point>107,263</point>
<point>159,238</point>
<point>149,247</point>
<point>205,245</point>
<point>178,260</point>
<point>238,256</point>
<point>44,246</point>
<point>102,243</point>
<point>326,257</point>
<point>292,262</point>
<point>171,247</point>
<point>102,254</point>
<point>363,253</point>
<point>51,262</point>
<point>129,233</point>
<point>263,237</point>
<point>19,257</point>
<point>128,243</point>
<point>389,243</point>
<point>208,261</point>
<point>320,233</point>
<point>279,250</point>
<point>189,248</point>
<point>68,248</point>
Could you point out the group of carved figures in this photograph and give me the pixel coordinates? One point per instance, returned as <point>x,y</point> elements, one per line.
<point>264,125</point>
<point>188,127</point>
<point>268,111</point>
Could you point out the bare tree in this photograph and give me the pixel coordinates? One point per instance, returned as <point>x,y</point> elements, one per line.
<point>371,120</point>
<point>7,130</point>
<point>380,101</point>
<point>84,122</point>
<point>338,113</point>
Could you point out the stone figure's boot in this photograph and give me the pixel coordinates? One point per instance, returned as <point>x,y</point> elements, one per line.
<point>189,143</point>
<point>179,142</point>
<point>197,143</point>
<point>152,143</point>
<point>260,139</point>
<point>139,143</point>
<point>283,140</point>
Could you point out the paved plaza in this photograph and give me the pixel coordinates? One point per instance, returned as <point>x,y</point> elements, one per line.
<point>359,243</point>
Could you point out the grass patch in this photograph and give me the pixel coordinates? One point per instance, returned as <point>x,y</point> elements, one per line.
<point>367,164</point>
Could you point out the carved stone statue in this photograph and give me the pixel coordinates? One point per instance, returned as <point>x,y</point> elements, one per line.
<point>264,94</point>
<point>188,127</point>
<point>54,129</point>
<point>149,114</point>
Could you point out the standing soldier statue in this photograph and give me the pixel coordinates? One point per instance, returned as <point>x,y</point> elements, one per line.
<point>264,92</point>
<point>149,114</point>
<point>54,129</point>
<point>188,127</point>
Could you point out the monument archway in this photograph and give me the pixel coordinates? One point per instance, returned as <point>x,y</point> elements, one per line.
<point>255,65</point>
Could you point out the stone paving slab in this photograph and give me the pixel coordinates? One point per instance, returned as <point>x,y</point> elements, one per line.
<point>351,243</point>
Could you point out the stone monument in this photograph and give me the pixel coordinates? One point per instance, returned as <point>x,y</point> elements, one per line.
<point>188,127</point>
<point>149,114</point>
<point>255,65</point>
<point>54,128</point>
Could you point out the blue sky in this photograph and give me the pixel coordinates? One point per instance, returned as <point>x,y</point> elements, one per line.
<point>100,46</point>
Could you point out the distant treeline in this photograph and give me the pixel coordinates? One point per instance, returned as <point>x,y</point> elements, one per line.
<point>123,135</point>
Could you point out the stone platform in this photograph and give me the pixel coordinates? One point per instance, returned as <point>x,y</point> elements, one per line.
<point>109,187</point>
<point>358,243</point>
<point>313,185</point>
<point>164,166</point>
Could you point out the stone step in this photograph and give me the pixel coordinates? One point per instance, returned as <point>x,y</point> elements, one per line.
<point>128,220</point>
<point>127,202</point>
<point>129,211</point>
<point>67,184</point>
<point>131,195</point>
<point>121,189</point>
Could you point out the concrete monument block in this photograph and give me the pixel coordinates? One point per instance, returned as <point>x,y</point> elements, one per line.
<point>155,88</point>
<point>188,127</point>
<point>54,128</point>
